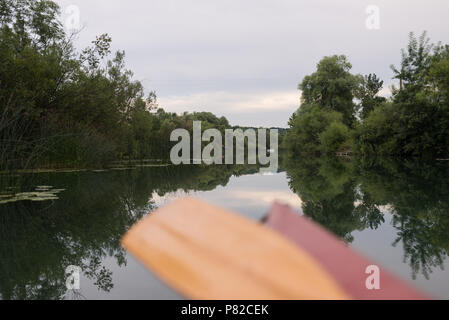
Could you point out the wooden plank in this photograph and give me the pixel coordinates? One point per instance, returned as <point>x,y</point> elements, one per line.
<point>345,265</point>
<point>205,252</point>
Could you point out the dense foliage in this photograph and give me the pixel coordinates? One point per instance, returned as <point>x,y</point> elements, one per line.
<point>60,107</point>
<point>323,122</point>
<point>342,112</point>
<point>64,108</point>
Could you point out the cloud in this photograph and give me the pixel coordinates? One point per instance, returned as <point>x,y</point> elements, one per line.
<point>232,102</point>
<point>385,92</point>
<point>234,105</point>
<point>267,197</point>
<point>244,59</point>
<point>236,197</point>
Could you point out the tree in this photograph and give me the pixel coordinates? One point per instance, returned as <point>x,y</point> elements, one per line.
<point>416,122</point>
<point>60,107</point>
<point>322,123</point>
<point>336,138</point>
<point>332,86</point>
<point>415,64</point>
<point>307,129</point>
<point>367,92</point>
<point>378,134</point>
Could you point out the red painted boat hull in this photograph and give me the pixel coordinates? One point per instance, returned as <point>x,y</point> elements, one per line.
<point>346,265</point>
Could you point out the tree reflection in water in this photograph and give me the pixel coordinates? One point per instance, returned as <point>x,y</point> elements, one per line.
<point>39,240</point>
<point>348,195</point>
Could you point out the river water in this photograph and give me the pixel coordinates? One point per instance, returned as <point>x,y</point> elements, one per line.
<point>395,212</point>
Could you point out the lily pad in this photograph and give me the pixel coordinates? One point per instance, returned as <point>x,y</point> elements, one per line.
<point>41,193</point>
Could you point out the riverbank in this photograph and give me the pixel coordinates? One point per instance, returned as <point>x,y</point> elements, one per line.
<point>115,165</point>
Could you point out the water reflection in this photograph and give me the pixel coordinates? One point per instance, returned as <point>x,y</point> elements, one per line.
<point>418,194</point>
<point>353,198</point>
<point>39,240</point>
<point>345,196</point>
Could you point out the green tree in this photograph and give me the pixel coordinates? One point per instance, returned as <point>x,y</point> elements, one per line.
<point>416,122</point>
<point>367,93</point>
<point>378,134</point>
<point>332,86</point>
<point>336,138</point>
<point>307,126</point>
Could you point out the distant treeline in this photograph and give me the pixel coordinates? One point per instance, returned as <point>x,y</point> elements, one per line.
<point>63,108</point>
<point>343,113</point>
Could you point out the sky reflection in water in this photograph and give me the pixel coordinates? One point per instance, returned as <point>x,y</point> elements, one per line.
<point>396,213</point>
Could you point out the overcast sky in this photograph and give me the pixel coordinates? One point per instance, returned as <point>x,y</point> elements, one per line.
<point>244,58</point>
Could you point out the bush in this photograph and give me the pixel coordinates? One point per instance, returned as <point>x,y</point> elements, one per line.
<point>307,127</point>
<point>336,138</point>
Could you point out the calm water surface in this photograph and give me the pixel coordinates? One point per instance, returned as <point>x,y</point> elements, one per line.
<point>395,212</point>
